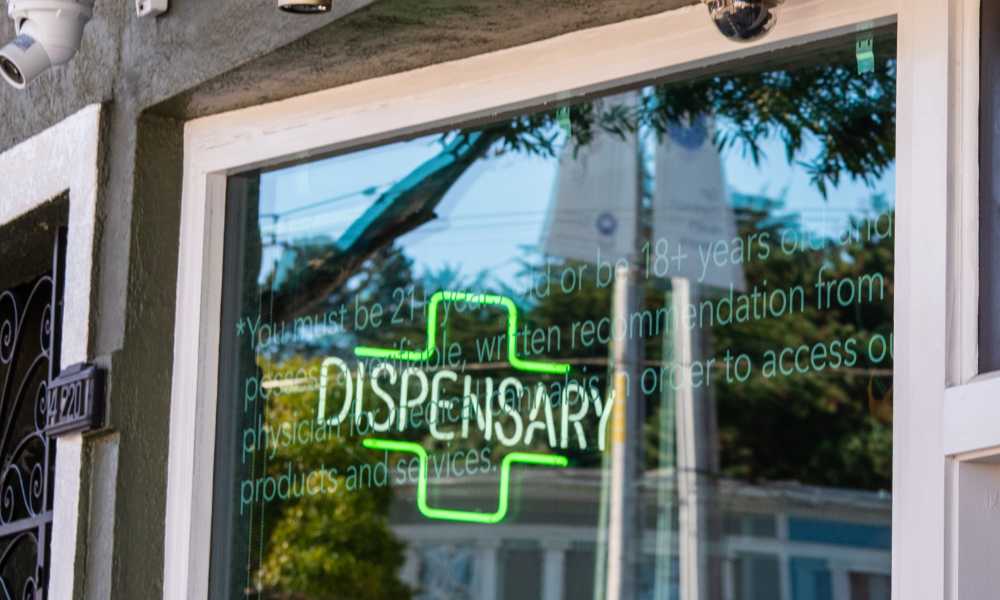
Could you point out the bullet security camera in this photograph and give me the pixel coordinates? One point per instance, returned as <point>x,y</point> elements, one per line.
<point>48,34</point>
<point>306,7</point>
<point>743,20</point>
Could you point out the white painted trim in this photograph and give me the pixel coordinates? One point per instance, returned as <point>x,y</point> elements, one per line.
<point>918,532</point>
<point>523,77</point>
<point>936,284</point>
<point>63,158</point>
<point>193,394</point>
<point>963,230</point>
<point>972,418</point>
<point>971,410</point>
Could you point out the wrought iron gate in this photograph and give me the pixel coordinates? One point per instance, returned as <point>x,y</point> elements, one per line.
<point>30,315</point>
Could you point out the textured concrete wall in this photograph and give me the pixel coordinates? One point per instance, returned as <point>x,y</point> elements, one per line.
<point>204,57</point>
<point>391,36</point>
<point>138,62</point>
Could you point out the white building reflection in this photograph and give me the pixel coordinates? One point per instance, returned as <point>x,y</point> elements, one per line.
<point>778,541</point>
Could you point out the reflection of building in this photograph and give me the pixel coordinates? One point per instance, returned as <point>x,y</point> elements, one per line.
<point>780,541</point>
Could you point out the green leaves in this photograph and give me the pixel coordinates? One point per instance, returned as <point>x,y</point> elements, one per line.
<point>852,118</point>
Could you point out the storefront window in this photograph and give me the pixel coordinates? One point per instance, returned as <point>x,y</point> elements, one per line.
<point>634,346</point>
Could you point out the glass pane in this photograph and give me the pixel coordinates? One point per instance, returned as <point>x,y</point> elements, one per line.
<point>636,346</point>
<point>757,576</point>
<point>869,586</point>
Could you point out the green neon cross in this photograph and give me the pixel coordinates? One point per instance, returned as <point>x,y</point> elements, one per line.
<point>466,516</point>
<point>520,364</point>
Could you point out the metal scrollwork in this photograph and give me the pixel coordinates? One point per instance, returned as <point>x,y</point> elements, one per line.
<point>27,455</point>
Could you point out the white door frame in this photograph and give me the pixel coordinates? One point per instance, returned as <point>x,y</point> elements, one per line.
<point>936,169</point>
<point>64,159</point>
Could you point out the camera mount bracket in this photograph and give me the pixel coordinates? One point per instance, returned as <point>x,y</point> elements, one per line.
<point>145,8</point>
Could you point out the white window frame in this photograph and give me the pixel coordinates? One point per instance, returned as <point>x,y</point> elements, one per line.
<point>936,166</point>
<point>65,159</point>
<point>971,408</point>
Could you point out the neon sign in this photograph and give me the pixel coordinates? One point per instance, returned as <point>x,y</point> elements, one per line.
<point>518,363</point>
<point>466,516</point>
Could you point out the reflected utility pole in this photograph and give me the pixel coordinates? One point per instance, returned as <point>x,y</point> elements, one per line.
<point>624,498</point>
<point>690,210</point>
<point>624,532</point>
<point>697,462</point>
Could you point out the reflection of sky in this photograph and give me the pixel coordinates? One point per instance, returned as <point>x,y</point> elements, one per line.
<point>499,205</point>
<point>776,178</point>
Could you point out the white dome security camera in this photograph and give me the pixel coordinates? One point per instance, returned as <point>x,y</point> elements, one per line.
<point>48,34</point>
<point>743,20</point>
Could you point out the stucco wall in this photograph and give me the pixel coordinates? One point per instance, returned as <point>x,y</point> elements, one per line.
<point>203,57</point>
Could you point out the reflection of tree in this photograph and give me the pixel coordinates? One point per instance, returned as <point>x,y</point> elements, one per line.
<point>335,546</point>
<point>853,119</point>
<point>825,428</point>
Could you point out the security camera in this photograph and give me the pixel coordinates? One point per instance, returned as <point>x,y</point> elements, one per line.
<point>305,7</point>
<point>48,34</point>
<point>743,20</point>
